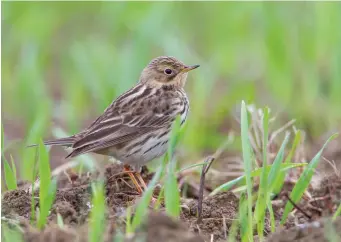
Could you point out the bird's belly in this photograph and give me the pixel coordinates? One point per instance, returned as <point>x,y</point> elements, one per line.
<point>137,153</point>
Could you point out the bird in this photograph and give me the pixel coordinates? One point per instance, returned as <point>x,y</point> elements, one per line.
<point>135,128</point>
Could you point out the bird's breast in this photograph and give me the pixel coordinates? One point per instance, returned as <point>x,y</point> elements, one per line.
<point>185,109</point>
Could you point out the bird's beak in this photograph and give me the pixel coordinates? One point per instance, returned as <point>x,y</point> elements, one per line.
<point>189,68</point>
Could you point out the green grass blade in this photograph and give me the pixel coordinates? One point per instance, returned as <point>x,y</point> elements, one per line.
<point>44,169</point>
<point>35,132</point>
<point>10,177</point>
<point>337,212</point>
<point>119,236</point>
<point>247,161</point>
<point>2,139</point>
<point>303,181</point>
<point>276,165</point>
<point>159,199</point>
<point>34,175</point>
<point>142,207</point>
<point>47,204</point>
<point>129,229</point>
<point>14,169</point>
<point>272,216</point>
<point>10,235</point>
<point>280,180</point>
<point>45,180</point>
<point>330,232</point>
<point>47,187</point>
<point>60,221</point>
<point>97,216</point>
<point>263,186</point>
<point>172,194</point>
<point>241,180</point>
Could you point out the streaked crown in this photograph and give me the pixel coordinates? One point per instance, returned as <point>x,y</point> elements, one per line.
<point>165,70</point>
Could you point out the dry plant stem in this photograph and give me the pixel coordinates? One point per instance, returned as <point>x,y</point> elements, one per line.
<point>297,207</point>
<point>280,130</point>
<point>204,171</point>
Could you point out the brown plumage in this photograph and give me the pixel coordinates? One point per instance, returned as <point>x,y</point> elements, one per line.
<point>135,128</point>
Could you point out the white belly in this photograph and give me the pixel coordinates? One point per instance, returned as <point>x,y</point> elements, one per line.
<point>142,154</point>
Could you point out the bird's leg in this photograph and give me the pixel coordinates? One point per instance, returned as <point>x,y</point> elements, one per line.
<point>126,168</point>
<point>139,177</point>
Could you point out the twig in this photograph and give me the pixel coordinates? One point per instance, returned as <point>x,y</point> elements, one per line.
<point>297,207</point>
<point>280,130</point>
<point>204,171</point>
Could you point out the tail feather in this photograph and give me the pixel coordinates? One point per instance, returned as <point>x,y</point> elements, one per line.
<point>68,141</point>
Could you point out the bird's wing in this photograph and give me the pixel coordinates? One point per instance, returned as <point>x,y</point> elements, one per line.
<point>126,119</point>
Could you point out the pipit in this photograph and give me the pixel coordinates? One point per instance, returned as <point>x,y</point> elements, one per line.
<point>136,127</point>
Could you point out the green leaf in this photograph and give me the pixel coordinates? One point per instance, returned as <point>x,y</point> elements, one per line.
<point>129,229</point>
<point>241,180</point>
<point>47,187</point>
<point>280,179</point>
<point>303,182</point>
<point>272,216</point>
<point>276,165</point>
<point>142,207</point>
<point>60,221</point>
<point>46,203</point>
<point>10,235</point>
<point>28,155</point>
<point>263,186</point>
<point>172,194</point>
<point>10,177</point>
<point>247,161</point>
<point>14,169</point>
<point>97,216</point>
<point>337,212</point>
<point>2,139</point>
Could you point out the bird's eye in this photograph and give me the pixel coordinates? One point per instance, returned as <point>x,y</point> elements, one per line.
<point>168,71</point>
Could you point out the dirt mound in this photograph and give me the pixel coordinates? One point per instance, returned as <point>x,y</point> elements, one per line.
<point>73,204</point>
<point>16,203</point>
<point>160,227</point>
<point>318,231</point>
<point>218,212</point>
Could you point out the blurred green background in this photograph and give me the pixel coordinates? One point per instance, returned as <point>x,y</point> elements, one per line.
<point>64,62</point>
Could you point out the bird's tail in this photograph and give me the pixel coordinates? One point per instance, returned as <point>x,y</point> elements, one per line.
<point>68,141</point>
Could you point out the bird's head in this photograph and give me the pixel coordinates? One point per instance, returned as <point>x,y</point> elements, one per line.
<point>165,70</point>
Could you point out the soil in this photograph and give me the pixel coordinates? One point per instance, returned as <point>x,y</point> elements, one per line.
<point>73,203</point>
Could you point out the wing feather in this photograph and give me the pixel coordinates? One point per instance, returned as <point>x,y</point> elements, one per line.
<point>127,119</point>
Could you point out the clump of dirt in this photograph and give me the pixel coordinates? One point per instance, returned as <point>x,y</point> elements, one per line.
<point>66,210</point>
<point>79,201</point>
<point>16,203</point>
<point>317,202</point>
<point>319,231</point>
<point>218,212</point>
<point>327,196</point>
<point>73,203</point>
<point>52,233</point>
<point>157,227</point>
<point>160,227</point>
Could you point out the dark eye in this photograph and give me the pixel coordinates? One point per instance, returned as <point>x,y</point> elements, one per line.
<point>168,71</point>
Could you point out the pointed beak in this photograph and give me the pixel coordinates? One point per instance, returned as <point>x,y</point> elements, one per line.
<point>189,68</point>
